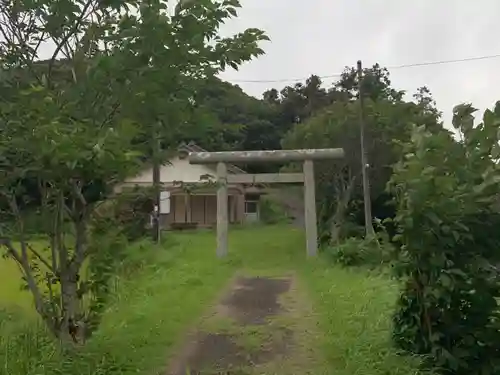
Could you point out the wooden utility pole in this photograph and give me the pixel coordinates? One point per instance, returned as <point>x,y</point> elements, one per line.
<point>156,184</point>
<point>364,158</point>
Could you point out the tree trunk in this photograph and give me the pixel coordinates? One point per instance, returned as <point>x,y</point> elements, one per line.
<point>336,230</point>
<point>340,210</point>
<point>72,327</point>
<point>69,331</point>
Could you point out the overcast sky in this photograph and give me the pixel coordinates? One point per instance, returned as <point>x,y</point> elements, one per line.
<point>323,36</point>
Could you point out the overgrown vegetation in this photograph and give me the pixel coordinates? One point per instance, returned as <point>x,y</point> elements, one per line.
<point>389,120</point>
<point>125,83</point>
<point>171,286</point>
<point>361,252</point>
<point>447,196</point>
<point>128,212</point>
<point>445,250</point>
<point>272,212</point>
<point>73,127</point>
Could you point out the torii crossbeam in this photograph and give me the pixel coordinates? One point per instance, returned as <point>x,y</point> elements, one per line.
<point>307,156</point>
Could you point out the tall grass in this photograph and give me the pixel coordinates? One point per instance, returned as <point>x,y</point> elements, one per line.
<point>23,344</point>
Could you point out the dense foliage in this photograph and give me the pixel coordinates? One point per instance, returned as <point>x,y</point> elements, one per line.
<point>388,122</point>
<point>119,86</point>
<point>447,216</point>
<point>129,212</point>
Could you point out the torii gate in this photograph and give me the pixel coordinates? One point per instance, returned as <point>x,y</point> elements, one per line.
<point>306,156</point>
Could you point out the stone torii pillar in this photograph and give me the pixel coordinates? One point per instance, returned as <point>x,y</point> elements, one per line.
<point>307,156</point>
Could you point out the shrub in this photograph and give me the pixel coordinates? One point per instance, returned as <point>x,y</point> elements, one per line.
<point>130,211</point>
<point>447,229</point>
<point>272,212</point>
<point>360,252</point>
<point>352,229</point>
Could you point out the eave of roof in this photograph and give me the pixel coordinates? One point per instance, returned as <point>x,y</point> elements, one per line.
<point>193,147</point>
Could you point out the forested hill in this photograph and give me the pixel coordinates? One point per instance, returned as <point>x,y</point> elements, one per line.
<point>241,121</point>
<point>310,115</point>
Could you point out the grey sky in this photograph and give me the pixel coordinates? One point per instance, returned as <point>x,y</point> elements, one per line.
<point>323,37</point>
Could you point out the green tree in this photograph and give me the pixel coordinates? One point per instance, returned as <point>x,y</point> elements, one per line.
<point>376,84</point>
<point>174,54</point>
<point>70,124</point>
<point>299,102</point>
<point>447,216</point>
<point>178,59</point>
<point>295,104</point>
<point>243,122</point>
<point>61,132</point>
<point>387,122</point>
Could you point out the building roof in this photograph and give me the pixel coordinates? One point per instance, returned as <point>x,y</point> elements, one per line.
<point>231,168</point>
<point>185,148</point>
<point>193,147</point>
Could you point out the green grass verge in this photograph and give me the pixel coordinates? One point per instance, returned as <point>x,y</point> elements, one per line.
<point>11,294</point>
<point>164,290</point>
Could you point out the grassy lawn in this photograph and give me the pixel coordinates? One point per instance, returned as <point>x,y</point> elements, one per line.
<point>170,287</point>
<point>10,292</point>
<point>11,295</point>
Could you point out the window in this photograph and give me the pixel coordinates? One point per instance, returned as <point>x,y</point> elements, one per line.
<point>250,207</point>
<point>251,197</point>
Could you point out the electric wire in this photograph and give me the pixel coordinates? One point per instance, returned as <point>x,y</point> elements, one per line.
<point>395,67</point>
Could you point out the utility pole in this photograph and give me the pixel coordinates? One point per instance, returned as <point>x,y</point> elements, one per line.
<point>364,159</point>
<point>156,184</point>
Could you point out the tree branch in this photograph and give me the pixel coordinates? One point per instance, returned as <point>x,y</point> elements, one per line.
<point>20,41</point>
<point>22,259</point>
<point>42,187</point>
<point>77,189</point>
<point>61,44</point>
<point>41,258</point>
<point>11,250</point>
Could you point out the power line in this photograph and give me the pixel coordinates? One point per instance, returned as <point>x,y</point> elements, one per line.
<point>487,57</point>
<point>395,67</point>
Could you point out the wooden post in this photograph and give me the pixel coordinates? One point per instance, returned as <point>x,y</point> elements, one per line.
<point>310,208</point>
<point>156,183</point>
<point>186,208</point>
<point>369,231</point>
<point>222,210</point>
<point>241,208</point>
<point>189,211</point>
<point>234,207</point>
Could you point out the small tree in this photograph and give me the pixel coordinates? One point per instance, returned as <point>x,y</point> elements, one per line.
<point>341,187</point>
<point>75,166</point>
<point>447,198</point>
<point>175,52</point>
<point>70,123</point>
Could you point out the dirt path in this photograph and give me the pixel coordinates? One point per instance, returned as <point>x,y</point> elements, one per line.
<point>262,325</point>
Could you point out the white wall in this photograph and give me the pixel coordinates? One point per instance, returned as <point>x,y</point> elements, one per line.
<point>177,170</point>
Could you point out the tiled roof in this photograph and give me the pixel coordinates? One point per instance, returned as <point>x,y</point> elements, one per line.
<point>193,147</point>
